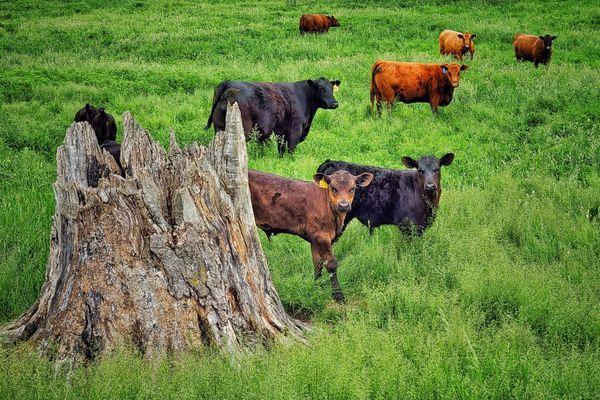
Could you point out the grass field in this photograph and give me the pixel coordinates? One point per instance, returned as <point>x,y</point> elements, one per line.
<point>499,299</point>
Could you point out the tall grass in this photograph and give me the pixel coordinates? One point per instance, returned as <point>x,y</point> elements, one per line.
<point>499,299</point>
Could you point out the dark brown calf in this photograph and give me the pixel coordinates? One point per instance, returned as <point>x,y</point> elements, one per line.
<point>308,210</point>
<point>317,23</point>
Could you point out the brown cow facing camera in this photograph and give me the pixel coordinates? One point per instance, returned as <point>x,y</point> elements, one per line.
<point>456,43</point>
<point>317,23</point>
<point>411,82</point>
<point>309,210</point>
<point>537,49</point>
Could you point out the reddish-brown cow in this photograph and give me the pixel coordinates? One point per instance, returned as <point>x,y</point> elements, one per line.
<point>317,23</point>
<point>456,43</point>
<point>305,209</point>
<point>537,49</point>
<point>414,82</point>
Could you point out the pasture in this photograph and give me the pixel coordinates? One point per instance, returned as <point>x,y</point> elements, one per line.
<point>500,298</point>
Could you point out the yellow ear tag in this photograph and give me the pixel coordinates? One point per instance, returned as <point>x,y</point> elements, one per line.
<point>323,184</point>
<point>336,88</point>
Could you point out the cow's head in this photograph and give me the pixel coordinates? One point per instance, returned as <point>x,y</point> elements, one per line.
<point>452,73</point>
<point>341,186</point>
<point>322,92</point>
<point>333,21</point>
<point>428,174</point>
<point>467,40</point>
<point>547,41</point>
<point>89,113</point>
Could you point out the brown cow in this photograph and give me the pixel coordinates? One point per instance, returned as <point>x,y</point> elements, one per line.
<point>315,213</point>
<point>317,23</point>
<point>457,43</point>
<point>537,49</point>
<point>414,82</point>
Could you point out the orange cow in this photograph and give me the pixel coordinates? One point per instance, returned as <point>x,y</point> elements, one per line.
<point>411,82</point>
<point>457,43</point>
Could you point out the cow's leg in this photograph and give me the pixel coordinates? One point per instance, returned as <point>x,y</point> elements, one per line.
<point>535,62</point>
<point>323,257</point>
<point>434,101</point>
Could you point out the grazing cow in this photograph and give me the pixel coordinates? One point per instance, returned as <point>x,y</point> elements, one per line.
<point>287,109</point>
<point>87,113</point>
<point>308,210</point>
<point>414,82</point>
<point>456,43</point>
<point>114,149</point>
<point>317,23</point>
<point>537,49</point>
<point>105,127</point>
<point>407,199</point>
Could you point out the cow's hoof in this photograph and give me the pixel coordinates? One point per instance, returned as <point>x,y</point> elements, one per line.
<point>339,297</point>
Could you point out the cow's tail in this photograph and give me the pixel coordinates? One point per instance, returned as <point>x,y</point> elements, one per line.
<point>216,97</point>
<point>374,91</point>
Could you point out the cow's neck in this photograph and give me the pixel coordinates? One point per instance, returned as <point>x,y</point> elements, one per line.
<point>312,108</point>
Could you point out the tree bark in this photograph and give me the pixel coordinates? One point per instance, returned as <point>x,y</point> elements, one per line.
<point>166,258</point>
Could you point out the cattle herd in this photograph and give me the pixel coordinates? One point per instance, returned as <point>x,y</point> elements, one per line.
<point>319,211</point>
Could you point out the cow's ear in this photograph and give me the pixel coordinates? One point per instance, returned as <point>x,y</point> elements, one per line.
<point>363,180</point>
<point>473,36</point>
<point>460,35</point>
<point>319,177</point>
<point>463,67</point>
<point>101,110</point>
<point>541,37</point>
<point>553,37</point>
<point>409,162</point>
<point>311,83</point>
<point>447,159</point>
<point>336,83</point>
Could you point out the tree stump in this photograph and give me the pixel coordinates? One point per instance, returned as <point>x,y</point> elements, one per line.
<point>166,258</point>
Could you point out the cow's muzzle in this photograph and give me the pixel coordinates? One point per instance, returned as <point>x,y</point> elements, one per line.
<point>344,207</point>
<point>334,105</point>
<point>430,188</point>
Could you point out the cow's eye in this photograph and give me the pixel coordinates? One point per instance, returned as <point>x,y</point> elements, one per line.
<point>334,190</point>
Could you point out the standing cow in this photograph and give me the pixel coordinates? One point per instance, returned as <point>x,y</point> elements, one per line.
<point>456,43</point>
<point>537,49</point>
<point>317,23</point>
<point>411,82</point>
<point>286,109</point>
<point>407,199</point>
<point>102,123</point>
<point>308,210</point>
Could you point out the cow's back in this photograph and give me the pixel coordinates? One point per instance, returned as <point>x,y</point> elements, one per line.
<point>450,43</point>
<point>407,81</point>
<point>525,45</point>
<point>314,23</point>
<point>283,204</point>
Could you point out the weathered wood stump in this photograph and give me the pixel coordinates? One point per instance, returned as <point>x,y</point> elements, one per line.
<point>165,259</point>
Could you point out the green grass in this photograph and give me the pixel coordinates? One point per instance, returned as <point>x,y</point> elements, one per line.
<point>499,299</point>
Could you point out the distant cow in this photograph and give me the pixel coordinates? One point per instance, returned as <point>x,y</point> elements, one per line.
<point>537,49</point>
<point>105,127</point>
<point>308,210</point>
<point>411,82</point>
<point>287,109</point>
<point>87,113</point>
<point>456,43</point>
<point>407,199</point>
<point>317,23</point>
<point>103,124</point>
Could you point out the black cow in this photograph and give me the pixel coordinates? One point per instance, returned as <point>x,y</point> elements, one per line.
<point>105,127</point>
<point>87,113</point>
<point>286,109</point>
<point>407,199</point>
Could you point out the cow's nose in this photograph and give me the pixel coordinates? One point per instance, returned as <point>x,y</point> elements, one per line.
<point>467,46</point>
<point>344,206</point>
<point>430,187</point>
<point>335,104</point>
